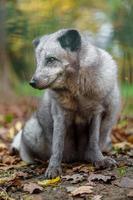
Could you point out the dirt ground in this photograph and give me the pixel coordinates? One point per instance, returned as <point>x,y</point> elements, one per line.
<point>19,181</point>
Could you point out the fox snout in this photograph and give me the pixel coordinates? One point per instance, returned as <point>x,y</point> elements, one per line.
<point>36,83</point>
<point>33,82</point>
<point>41,83</point>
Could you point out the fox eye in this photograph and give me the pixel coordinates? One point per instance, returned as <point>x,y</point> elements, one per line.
<point>50,60</point>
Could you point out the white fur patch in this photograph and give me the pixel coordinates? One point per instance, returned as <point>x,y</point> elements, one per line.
<point>16,141</point>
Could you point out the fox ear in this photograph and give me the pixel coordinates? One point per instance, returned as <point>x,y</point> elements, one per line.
<point>71,40</point>
<point>36,41</point>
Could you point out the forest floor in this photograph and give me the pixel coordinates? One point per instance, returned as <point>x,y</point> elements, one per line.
<point>78,181</point>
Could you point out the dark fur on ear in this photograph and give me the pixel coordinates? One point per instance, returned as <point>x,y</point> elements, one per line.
<point>71,39</point>
<point>36,41</point>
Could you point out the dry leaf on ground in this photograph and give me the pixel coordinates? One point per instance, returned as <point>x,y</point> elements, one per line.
<point>130,153</point>
<point>32,188</point>
<point>2,146</point>
<point>90,183</point>
<point>130,138</point>
<point>70,188</point>
<point>48,182</point>
<point>6,180</point>
<point>84,168</point>
<point>3,132</point>
<point>13,179</point>
<point>82,190</point>
<point>123,146</point>
<point>10,160</point>
<point>18,126</point>
<point>21,174</point>
<point>75,178</point>
<point>96,197</point>
<point>100,177</point>
<point>130,194</point>
<point>125,183</point>
<point>4,195</point>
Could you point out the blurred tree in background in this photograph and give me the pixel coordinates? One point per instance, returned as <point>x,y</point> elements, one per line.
<point>21,21</point>
<point>6,71</point>
<point>122,19</point>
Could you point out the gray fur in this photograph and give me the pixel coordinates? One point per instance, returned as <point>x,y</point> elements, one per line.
<point>79,107</point>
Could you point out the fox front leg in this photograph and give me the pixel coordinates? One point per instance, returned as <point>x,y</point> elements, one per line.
<point>59,132</point>
<point>94,153</point>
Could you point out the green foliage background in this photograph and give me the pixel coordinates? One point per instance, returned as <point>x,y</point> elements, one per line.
<point>28,19</point>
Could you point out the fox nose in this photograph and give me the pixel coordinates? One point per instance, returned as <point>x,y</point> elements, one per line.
<point>33,83</point>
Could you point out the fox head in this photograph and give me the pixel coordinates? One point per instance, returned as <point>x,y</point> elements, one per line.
<point>57,58</point>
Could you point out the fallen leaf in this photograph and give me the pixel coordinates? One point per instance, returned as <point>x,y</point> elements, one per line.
<point>48,182</point>
<point>100,177</point>
<point>3,132</point>
<point>32,188</point>
<point>96,197</point>
<point>130,194</point>
<point>7,179</point>
<point>10,160</point>
<point>14,178</point>
<point>75,178</point>
<point>118,135</point>
<point>84,168</point>
<point>4,195</point>
<point>129,131</point>
<point>125,183</point>
<point>21,174</point>
<point>70,188</point>
<point>7,167</point>
<point>130,138</point>
<point>123,146</point>
<point>82,190</point>
<point>130,153</point>
<point>18,126</point>
<point>2,146</point>
<point>90,183</point>
<point>11,133</point>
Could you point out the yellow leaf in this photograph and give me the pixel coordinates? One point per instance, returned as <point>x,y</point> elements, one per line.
<point>11,133</point>
<point>2,146</point>
<point>123,145</point>
<point>48,182</point>
<point>18,126</point>
<point>4,195</point>
<point>7,179</point>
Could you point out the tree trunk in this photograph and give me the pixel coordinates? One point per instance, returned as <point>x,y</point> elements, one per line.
<point>7,74</point>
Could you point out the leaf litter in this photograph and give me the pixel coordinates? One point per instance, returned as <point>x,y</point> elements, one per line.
<point>32,188</point>
<point>48,182</point>
<point>125,182</point>
<point>75,178</point>
<point>79,179</point>
<point>101,177</point>
<point>82,190</point>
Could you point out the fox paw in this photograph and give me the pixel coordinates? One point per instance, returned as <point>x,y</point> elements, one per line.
<point>52,172</point>
<point>106,162</point>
